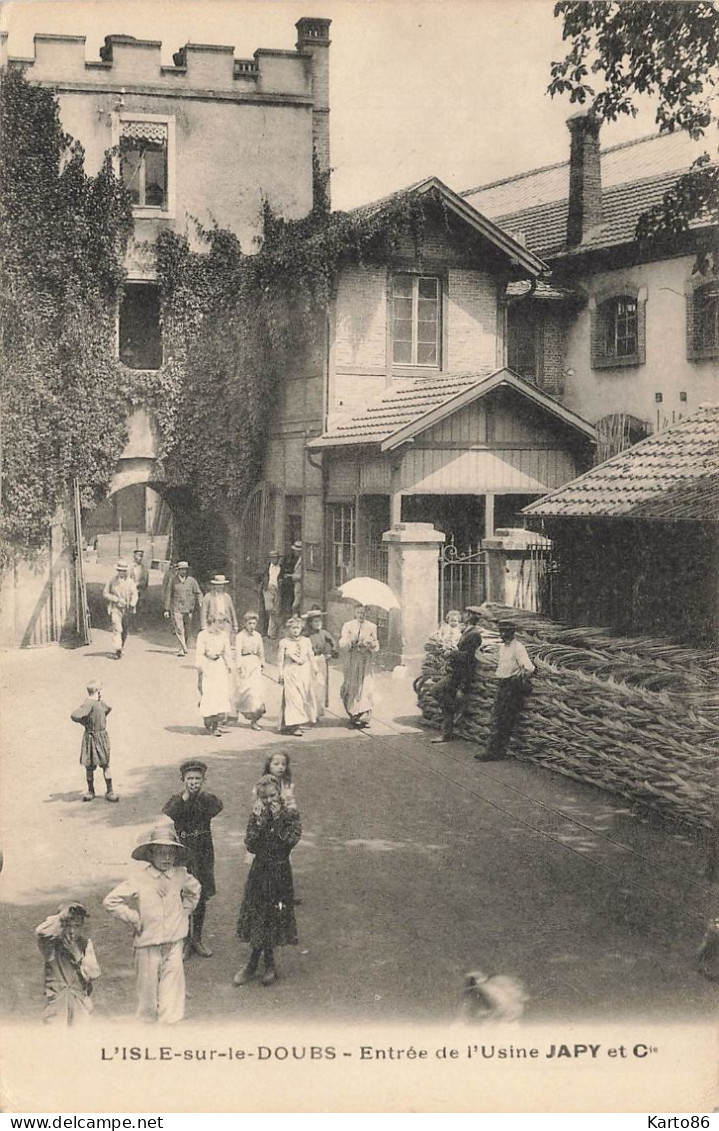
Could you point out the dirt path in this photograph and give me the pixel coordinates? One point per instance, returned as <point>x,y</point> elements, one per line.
<point>416,863</point>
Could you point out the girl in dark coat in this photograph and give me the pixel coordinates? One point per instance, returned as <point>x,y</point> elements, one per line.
<point>191,812</point>
<point>267,916</point>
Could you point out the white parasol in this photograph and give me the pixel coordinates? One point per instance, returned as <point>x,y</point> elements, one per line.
<point>369,591</point>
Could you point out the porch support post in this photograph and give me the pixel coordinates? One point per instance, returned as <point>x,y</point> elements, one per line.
<point>488,515</point>
<point>412,552</point>
<point>395,498</point>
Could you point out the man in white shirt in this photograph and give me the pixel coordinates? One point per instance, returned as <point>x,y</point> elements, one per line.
<point>270,582</point>
<point>121,596</point>
<point>513,668</point>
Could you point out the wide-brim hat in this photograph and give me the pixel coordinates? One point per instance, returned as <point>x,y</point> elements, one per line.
<point>476,610</point>
<point>140,552</point>
<point>160,835</point>
<point>193,764</point>
<point>313,613</point>
<point>275,554</point>
<point>182,565</point>
<point>220,579</point>
<point>121,565</point>
<point>296,546</point>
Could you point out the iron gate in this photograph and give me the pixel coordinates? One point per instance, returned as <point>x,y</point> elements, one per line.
<point>462,577</point>
<point>257,530</point>
<point>537,588</point>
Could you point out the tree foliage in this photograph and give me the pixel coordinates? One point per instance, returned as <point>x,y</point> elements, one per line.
<point>665,49</point>
<point>63,236</point>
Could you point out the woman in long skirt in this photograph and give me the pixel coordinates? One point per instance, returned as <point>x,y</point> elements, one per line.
<point>213,661</point>
<point>295,660</point>
<point>358,647</point>
<point>323,648</point>
<point>249,689</point>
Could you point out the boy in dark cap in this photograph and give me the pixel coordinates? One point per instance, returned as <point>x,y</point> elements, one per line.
<point>192,811</point>
<point>70,965</point>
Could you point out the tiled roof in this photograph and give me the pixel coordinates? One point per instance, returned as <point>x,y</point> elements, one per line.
<point>414,404</point>
<point>635,176</point>
<point>673,474</point>
<point>399,406</point>
<point>516,251</point>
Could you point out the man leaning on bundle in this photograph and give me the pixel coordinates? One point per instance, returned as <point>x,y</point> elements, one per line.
<point>514,668</point>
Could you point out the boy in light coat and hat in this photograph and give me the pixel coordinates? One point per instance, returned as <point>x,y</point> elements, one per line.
<point>157,901</point>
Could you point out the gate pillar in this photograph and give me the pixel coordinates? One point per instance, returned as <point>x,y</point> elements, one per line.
<point>508,559</point>
<point>412,552</point>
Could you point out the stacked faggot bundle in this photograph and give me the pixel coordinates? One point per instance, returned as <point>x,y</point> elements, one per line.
<point>636,716</point>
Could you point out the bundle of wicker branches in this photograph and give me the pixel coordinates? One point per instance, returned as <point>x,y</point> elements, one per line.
<point>636,716</point>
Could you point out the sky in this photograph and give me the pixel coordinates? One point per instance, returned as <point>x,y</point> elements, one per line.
<point>448,88</point>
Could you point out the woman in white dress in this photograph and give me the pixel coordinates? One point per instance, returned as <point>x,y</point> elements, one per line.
<point>358,647</point>
<point>213,661</point>
<point>295,660</point>
<point>249,689</point>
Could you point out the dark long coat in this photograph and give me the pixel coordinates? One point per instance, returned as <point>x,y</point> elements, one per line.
<point>192,825</point>
<point>267,915</point>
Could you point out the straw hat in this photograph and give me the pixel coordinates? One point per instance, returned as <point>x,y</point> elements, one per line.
<point>313,613</point>
<point>160,835</point>
<point>183,565</point>
<point>120,566</point>
<point>219,579</point>
<point>296,546</point>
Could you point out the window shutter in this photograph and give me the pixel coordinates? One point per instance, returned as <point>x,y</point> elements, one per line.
<point>691,349</point>
<point>641,329</point>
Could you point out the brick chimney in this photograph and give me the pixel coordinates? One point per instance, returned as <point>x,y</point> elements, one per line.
<point>585,177</point>
<point>313,40</point>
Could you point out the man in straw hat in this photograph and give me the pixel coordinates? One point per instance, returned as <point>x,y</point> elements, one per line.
<point>270,587</point>
<point>164,895</point>
<point>514,668</point>
<point>141,576</point>
<point>121,596</point>
<point>220,605</point>
<point>291,587</point>
<point>181,596</point>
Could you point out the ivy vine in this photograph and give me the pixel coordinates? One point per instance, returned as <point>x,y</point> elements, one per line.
<point>63,237</point>
<point>235,324</point>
